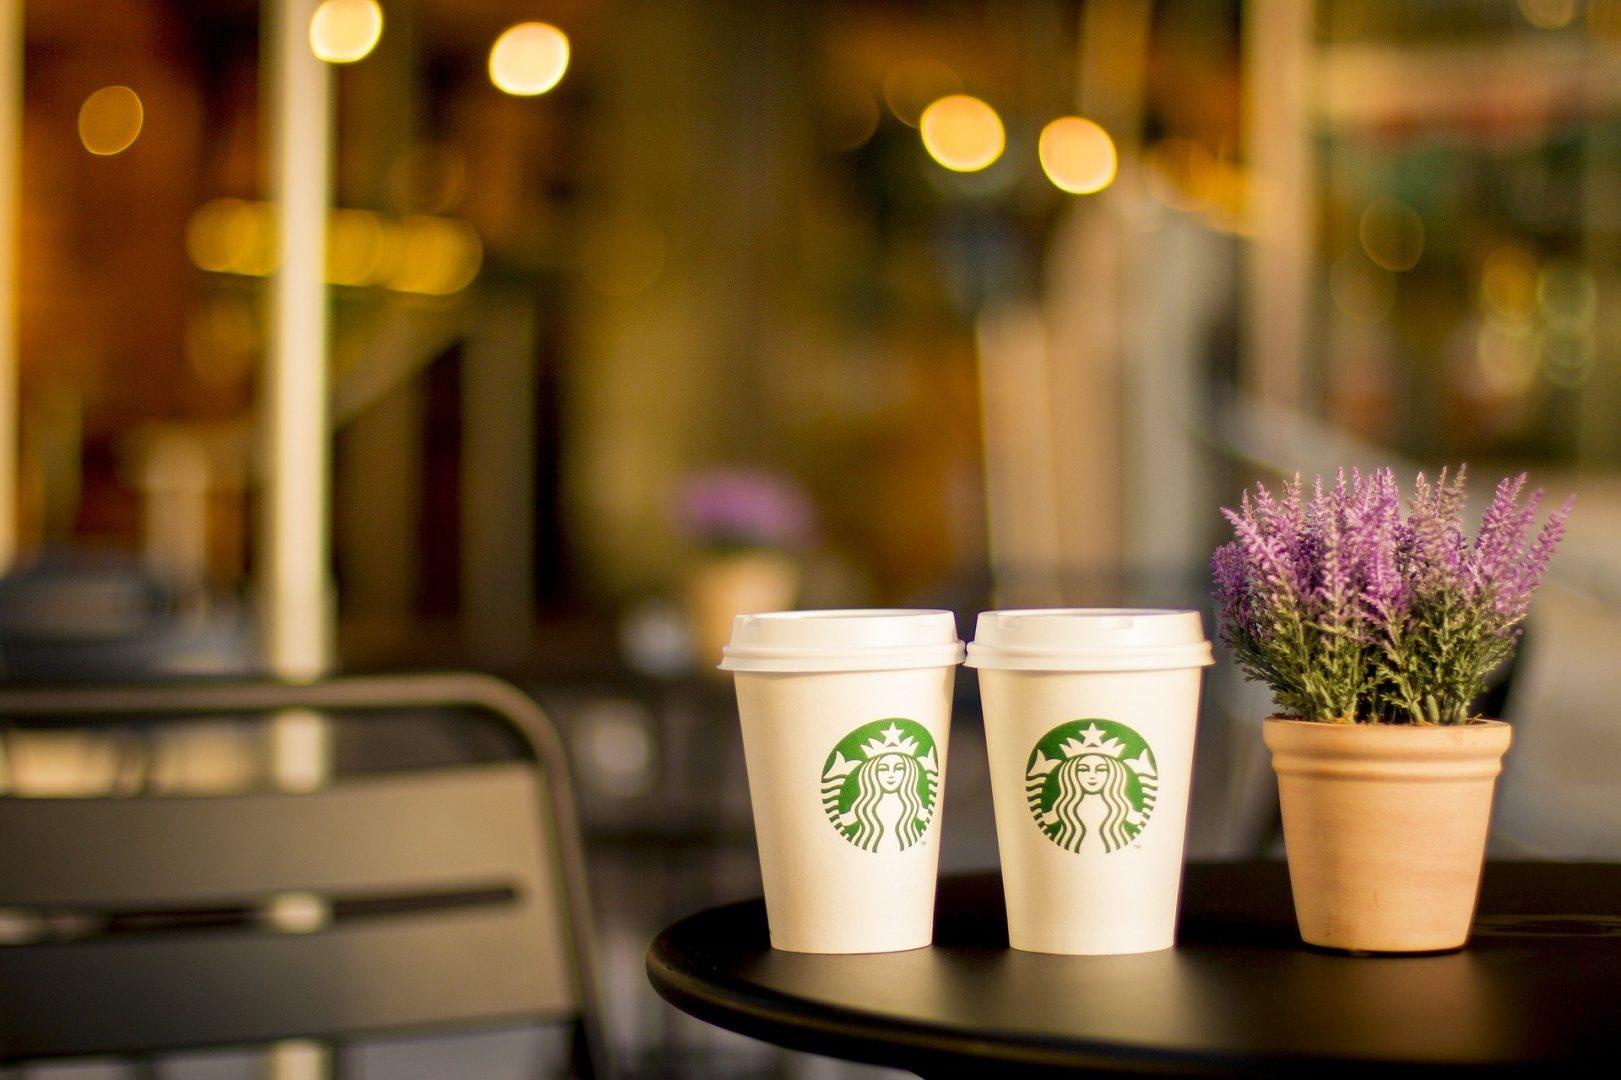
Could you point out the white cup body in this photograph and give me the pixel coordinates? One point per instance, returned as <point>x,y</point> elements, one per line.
<point>1091,872</point>
<point>866,885</point>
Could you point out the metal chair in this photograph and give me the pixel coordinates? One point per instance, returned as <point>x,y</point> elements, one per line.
<point>410,900</point>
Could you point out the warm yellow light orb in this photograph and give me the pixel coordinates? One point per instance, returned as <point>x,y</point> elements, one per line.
<point>343,31</point>
<point>962,133</point>
<point>232,236</point>
<point>1077,155</point>
<point>355,244</point>
<point>438,256</point>
<point>529,59</point>
<point>110,119</point>
<point>1508,285</point>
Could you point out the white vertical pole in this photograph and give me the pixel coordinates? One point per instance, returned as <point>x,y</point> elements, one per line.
<point>295,596</point>
<point>294,585</point>
<point>1278,90</point>
<point>11,148</point>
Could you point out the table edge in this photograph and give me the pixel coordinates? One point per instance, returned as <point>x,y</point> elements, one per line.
<point>736,1005</point>
<point>768,1019</point>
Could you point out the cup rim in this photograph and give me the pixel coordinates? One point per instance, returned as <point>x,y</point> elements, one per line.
<point>1094,657</point>
<point>930,641</point>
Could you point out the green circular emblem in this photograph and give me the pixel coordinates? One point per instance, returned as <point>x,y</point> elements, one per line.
<point>880,784</point>
<point>1091,784</point>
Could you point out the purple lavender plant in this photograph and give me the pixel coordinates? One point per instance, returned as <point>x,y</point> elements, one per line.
<point>1352,612</point>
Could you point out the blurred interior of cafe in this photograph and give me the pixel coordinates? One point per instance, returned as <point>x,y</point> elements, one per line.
<point>538,338</point>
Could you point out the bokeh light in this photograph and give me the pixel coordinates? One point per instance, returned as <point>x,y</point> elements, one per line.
<point>616,747</point>
<point>110,119</point>
<point>1506,359</point>
<point>1548,14</point>
<point>1567,296</point>
<point>438,256</point>
<point>962,133</point>
<point>1077,155</point>
<point>1392,234</point>
<point>529,59</point>
<point>430,256</point>
<point>1567,359</point>
<point>232,236</point>
<point>1508,284</point>
<point>912,85</point>
<point>357,242</point>
<point>343,31</point>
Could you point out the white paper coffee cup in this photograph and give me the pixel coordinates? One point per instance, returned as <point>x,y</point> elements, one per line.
<point>846,716</point>
<point>1089,726</point>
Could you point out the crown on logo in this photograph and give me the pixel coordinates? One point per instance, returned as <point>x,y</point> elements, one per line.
<point>1092,742</point>
<point>891,741</point>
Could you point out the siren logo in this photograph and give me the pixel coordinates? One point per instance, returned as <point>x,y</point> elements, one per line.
<point>1091,785</point>
<point>880,784</point>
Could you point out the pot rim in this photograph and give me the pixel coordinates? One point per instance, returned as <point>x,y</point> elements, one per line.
<point>1308,747</point>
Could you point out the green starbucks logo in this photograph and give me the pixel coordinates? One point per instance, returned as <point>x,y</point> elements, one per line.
<point>1091,784</point>
<point>880,784</point>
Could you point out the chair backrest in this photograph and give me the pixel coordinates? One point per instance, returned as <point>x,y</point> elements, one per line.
<point>422,898</point>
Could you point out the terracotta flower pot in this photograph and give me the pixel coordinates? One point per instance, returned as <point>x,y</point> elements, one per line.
<point>1385,827</point>
<point>726,584</point>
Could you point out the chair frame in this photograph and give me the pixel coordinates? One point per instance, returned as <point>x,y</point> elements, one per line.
<point>521,714</point>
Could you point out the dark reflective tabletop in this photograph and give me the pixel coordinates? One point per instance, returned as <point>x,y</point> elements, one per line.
<point>1539,984</point>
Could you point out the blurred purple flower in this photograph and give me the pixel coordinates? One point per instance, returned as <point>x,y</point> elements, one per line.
<point>744,508</point>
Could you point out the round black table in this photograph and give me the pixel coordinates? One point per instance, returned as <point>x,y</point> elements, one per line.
<point>1539,985</point>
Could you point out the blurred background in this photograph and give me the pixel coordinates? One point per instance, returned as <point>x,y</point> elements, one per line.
<point>541,336</point>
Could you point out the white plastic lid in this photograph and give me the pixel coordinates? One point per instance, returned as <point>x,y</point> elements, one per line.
<point>1089,639</point>
<point>858,640</point>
